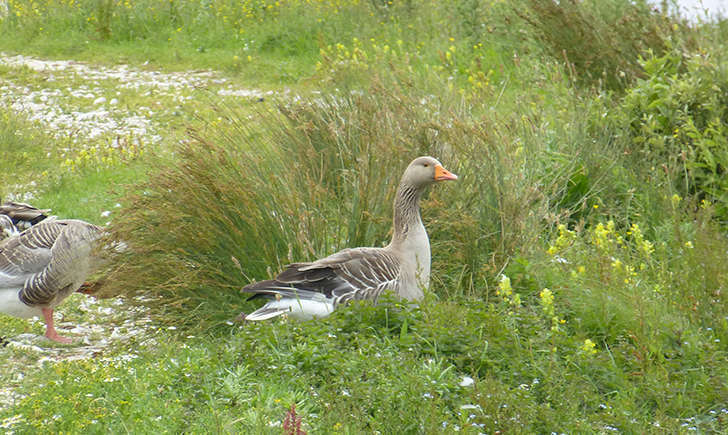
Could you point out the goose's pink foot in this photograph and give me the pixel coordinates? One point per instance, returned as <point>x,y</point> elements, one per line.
<point>51,333</point>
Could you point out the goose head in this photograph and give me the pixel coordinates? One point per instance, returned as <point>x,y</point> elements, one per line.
<point>424,171</point>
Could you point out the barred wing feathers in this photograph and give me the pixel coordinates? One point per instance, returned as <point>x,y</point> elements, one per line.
<point>320,286</point>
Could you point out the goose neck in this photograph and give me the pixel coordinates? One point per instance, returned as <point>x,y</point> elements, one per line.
<point>406,212</point>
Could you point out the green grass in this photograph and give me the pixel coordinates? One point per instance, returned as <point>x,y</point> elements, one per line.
<point>579,267</point>
<point>372,368</point>
<point>33,169</point>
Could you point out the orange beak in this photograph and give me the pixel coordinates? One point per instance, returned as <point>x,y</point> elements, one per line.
<point>442,174</point>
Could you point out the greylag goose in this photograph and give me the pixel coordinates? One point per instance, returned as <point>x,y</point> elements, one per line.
<point>42,266</point>
<point>308,290</point>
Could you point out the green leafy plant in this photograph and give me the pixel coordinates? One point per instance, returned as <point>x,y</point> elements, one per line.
<point>678,123</point>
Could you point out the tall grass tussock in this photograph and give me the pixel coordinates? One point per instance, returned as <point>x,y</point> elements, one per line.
<point>240,203</point>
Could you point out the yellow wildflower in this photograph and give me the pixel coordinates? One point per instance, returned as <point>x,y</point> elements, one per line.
<point>504,286</point>
<point>589,348</point>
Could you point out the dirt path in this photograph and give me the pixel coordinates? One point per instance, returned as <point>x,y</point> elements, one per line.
<point>68,96</point>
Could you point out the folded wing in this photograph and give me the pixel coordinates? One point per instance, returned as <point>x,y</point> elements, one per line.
<point>315,289</point>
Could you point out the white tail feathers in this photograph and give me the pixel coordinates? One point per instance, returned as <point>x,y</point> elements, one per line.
<point>302,309</point>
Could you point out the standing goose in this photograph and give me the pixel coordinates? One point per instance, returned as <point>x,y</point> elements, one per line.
<point>308,290</point>
<point>42,266</point>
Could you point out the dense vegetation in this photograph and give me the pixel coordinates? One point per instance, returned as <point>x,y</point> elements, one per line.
<point>579,264</point>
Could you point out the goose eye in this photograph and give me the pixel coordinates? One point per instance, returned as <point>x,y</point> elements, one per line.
<point>427,164</point>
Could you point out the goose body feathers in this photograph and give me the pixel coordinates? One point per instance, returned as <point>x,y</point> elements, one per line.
<point>43,265</point>
<point>307,290</point>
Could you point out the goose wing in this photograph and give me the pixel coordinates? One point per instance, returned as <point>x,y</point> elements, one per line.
<point>27,254</point>
<point>360,273</point>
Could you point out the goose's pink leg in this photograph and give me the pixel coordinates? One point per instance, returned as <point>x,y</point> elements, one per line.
<point>50,329</point>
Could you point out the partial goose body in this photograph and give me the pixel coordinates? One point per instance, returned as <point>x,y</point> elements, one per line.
<point>307,290</point>
<point>316,289</point>
<point>23,215</point>
<point>42,266</point>
<point>16,217</point>
<point>7,228</point>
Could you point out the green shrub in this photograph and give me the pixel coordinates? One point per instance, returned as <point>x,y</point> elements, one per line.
<point>677,122</point>
<point>651,306</point>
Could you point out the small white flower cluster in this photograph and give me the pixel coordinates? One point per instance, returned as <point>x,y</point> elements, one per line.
<point>9,422</point>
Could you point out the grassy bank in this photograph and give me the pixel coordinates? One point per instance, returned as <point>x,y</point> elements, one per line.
<point>579,267</point>
<point>284,42</point>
